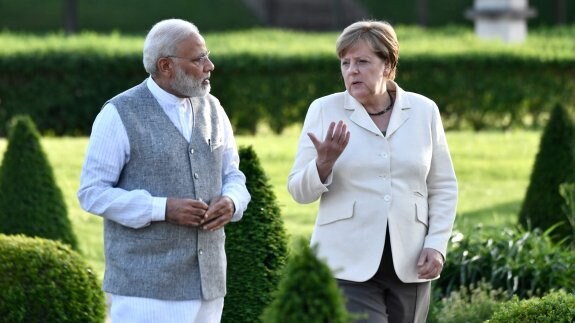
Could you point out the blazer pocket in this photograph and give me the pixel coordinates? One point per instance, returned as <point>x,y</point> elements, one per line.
<point>421,214</point>
<point>334,212</point>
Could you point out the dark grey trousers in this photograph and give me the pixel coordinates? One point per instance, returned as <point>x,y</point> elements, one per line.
<point>384,298</point>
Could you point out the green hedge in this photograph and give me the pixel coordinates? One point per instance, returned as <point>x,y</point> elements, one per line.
<point>272,76</point>
<point>556,307</point>
<point>45,281</point>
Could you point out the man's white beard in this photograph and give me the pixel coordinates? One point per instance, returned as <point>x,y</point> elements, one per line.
<point>188,86</point>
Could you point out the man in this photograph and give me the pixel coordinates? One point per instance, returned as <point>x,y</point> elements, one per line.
<point>162,170</point>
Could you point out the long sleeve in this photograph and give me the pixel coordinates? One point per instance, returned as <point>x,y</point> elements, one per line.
<point>233,180</point>
<point>442,189</point>
<point>304,183</point>
<point>107,153</point>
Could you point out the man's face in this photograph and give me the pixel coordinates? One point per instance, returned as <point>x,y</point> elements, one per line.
<point>192,68</point>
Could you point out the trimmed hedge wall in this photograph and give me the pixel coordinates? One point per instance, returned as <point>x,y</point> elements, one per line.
<point>476,85</point>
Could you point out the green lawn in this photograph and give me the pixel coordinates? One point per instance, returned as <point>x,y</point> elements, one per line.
<point>493,169</point>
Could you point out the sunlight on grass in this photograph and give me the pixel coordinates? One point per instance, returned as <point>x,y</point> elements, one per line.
<point>493,170</point>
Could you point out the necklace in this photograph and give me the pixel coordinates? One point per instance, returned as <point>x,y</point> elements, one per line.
<point>384,110</point>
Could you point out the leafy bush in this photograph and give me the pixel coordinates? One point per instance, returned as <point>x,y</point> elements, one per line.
<point>473,304</point>
<point>256,247</point>
<point>307,293</point>
<point>523,263</point>
<point>556,307</point>
<point>554,165</point>
<point>31,202</point>
<point>45,281</point>
<point>567,191</point>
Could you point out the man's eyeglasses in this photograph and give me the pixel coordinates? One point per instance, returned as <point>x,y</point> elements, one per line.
<point>201,60</point>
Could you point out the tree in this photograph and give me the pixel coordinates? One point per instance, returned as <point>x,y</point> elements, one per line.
<point>554,165</point>
<point>308,292</point>
<point>31,203</point>
<point>256,247</point>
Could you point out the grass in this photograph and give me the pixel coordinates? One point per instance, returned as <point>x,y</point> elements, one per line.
<point>493,170</point>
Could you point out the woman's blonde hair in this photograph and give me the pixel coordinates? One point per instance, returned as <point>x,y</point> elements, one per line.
<point>378,35</point>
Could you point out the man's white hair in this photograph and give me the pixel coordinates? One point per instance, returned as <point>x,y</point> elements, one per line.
<point>163,40</point>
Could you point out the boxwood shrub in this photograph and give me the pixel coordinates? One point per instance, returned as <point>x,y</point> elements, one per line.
<point>556,307</point>
<point>45,281</point>
<point>307,292</point>
<point>31,202</point>
<point>256,247</point>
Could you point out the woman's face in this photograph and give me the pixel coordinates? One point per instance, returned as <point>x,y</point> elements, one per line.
<point>363,72</point>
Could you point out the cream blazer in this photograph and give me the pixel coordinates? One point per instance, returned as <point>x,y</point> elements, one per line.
<point>405,180</point>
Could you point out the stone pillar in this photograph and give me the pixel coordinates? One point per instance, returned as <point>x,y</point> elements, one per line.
<point>501,19</point>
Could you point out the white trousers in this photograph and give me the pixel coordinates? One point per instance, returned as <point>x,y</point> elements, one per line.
<point>125,309</point>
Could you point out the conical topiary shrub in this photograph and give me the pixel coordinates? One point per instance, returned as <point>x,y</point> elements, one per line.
<point>554,165</point>
<point>31,203</point>
<point>256,247</point>
<point>307,293</point>
<point>42,280</point>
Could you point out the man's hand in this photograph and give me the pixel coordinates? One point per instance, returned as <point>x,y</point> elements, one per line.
<point>186,212</point>
<point>430,263</point>
<point>219,213</point>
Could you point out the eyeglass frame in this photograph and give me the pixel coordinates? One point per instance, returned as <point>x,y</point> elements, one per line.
<point>201,60</point>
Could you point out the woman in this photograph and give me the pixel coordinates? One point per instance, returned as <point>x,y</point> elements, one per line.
<point>385,180</point>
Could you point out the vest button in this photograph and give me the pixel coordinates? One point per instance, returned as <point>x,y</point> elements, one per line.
<point>201,252</point>
<point>191,150</point>
<point>196,176</point>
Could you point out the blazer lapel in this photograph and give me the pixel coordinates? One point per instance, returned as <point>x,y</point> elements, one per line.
<point>401,112</point>
<point>358,114</point>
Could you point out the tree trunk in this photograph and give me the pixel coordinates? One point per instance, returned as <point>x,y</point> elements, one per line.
<point>338,14</point>
<point>422,12</point>
<point>70,16</point>
<point>271,12</point>
<point>560,12</point>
